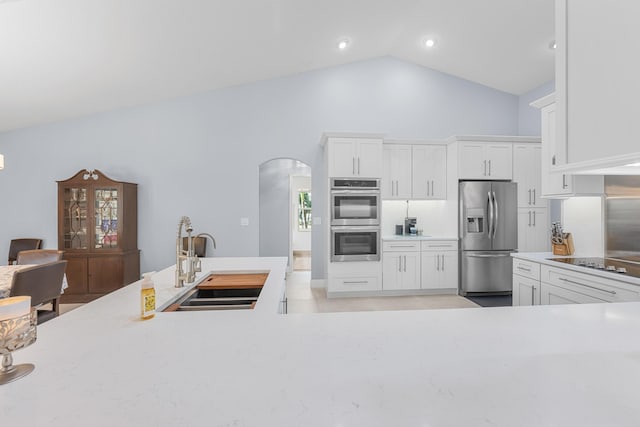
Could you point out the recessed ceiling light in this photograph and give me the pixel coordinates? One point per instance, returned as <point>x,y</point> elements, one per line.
<point>430,42</point>
<point>552,45</point>
<point>342,44</point>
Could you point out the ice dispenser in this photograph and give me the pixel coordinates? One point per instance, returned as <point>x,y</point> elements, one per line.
<point>475,220</point>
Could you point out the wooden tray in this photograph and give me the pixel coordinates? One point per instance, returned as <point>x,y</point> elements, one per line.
<point>237,281</point>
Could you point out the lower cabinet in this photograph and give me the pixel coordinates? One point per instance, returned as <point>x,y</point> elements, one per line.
<point>535,283</point>
<point>351,278</point>
<point>420,265</point>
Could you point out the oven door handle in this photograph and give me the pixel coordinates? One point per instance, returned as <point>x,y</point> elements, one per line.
<point>367,192</point>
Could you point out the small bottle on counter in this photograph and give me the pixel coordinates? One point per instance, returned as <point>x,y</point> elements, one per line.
<point>147,297</point>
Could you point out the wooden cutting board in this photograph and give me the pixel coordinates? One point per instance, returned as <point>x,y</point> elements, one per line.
<point>237,281</point>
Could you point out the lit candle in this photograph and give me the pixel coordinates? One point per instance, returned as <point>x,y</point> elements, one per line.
<point>14,307</point>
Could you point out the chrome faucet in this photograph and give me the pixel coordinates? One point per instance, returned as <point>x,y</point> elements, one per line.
<point>209,236</point>
<point>192,262</point>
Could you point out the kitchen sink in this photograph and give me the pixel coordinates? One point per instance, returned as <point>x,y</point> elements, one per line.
<point>222,291</point>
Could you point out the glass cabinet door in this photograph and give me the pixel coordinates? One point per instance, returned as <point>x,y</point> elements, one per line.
<point>106,218</point>
<point>75,218</point>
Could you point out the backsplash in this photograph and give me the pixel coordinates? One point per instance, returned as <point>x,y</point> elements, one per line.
<point>435,217</point>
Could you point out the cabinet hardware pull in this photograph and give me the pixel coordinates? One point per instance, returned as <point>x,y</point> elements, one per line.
<point>439,246</point>
<point>529,218</point>
<point>438,262</point>
<point>524,268</point>
<point>399,264</point>
<point>553,159</point>
<point>564,181</point>
<point>529,196</point>
<point>588,286</point>
<point>534,196</point>
<point>356,282</point>
<point>489,167</point>
<point>533,295</point>
<point>428,192</point>
<point>353,165</point>
<point>401,246</point>
<point>442,262</point>
<point>485,168</point>
<point>358,165</point>
<point>433,192</point>
<point>534,218</point>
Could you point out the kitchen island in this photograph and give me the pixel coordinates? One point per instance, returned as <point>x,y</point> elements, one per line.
<point>511,366</point>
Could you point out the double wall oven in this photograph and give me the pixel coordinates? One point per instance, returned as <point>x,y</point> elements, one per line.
<point>355,219</point>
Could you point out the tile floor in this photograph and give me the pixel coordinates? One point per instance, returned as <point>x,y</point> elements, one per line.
<point>304,299</point>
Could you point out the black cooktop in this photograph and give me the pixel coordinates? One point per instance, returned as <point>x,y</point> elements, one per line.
<point>612,265</point>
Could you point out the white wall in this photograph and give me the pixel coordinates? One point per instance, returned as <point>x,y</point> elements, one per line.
<point>583,217</point>
<point>199,155</point>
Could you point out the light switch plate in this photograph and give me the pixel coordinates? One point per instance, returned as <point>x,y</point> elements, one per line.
<point>244,222</point>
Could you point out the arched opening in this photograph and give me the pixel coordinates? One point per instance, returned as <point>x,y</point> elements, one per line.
<point>285,211</point>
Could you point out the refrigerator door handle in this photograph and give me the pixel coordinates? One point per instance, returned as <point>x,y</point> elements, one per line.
<point>495,215</point>
<point>490,203</point>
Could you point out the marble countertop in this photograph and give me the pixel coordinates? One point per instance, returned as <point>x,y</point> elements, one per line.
<point>100,365</point>
<point>547,259</point>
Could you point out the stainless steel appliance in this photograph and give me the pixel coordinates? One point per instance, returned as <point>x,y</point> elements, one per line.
<point>355,201</point>
<point>611,265</point>
<point>622,217</point>
<point>488,231</point>
<point>358,243</point>
<point>410,225</point>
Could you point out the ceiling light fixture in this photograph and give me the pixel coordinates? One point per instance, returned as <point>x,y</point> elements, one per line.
<point>430,42</point>
<point>342,45</point>
<point>1,162</point>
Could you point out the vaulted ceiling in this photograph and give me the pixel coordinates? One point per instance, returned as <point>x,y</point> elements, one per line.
<point>66,58</point>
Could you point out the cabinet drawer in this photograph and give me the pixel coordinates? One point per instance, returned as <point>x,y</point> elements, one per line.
<point>526,268</point>
<point>587,284</point>
<point>342,284</point>
<point>439,245</point>
<point>400,246</point>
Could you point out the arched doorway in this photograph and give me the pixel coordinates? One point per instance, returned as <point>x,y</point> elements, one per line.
<point>285,211</point>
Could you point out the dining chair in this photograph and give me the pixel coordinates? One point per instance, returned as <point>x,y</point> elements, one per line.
<point>18,245</point>
<point>39,256</point>
<point>199,245</point>
<point>43,283</point>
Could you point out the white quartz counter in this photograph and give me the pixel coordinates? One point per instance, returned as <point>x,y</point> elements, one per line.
<point>546,258</point>
<point>513,366</point>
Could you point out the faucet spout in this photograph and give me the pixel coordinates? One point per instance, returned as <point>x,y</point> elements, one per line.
<point>210,237</point>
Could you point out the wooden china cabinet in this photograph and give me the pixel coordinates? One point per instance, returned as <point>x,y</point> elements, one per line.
<point>98,232</point>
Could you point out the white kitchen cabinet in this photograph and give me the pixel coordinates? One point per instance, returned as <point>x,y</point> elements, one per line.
<point>551,295</point>
<point>533,230</point>
<point>429,168</point>
<point>526,173</point>
<point>354,157</point>
<point>396,172</point>
<point>354,278</point>
<point>597,100</point>
<point>400,265</point>
<point>484,160</point>
<point>526,291</point>
<point>559,184</point>
<point>439,264</point>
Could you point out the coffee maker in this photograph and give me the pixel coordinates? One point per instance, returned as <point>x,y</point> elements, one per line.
<point>410,225</point>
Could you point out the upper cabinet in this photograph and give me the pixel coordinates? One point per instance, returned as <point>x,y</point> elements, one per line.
<point>526,172</point>
<point>597,85</point>
<point>414,171</point>
<point>556,184</point>
<point>482,160</point>
<point>354,157</point>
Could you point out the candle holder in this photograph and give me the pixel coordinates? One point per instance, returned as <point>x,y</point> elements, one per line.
<point>16,333</point>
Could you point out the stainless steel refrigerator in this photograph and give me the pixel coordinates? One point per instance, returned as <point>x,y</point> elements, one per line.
<point>488,231</point>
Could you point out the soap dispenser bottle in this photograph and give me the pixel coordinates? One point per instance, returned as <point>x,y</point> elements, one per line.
<point>147,297</point>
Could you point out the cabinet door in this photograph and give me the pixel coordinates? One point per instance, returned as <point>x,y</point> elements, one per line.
<point>342,158</point>
<point>105,274</point>
<point>552,183</point>
<point>539,239</point>
<point>594,112</point>
<point>449,270</point>
<point>430,277</point>
<point>369,158</point>
<point>522,171</point>
<point>411,270</point>
<point>499,161</point>
<point>526,291</point>
<point>471,161</point>
<point>551,295</point>
<point>76,272</point>
<point>391,271</point>
<point>396,177</point>
<point>429,168</point>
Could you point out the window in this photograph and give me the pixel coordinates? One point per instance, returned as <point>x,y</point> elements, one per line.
<point>304,210</point>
